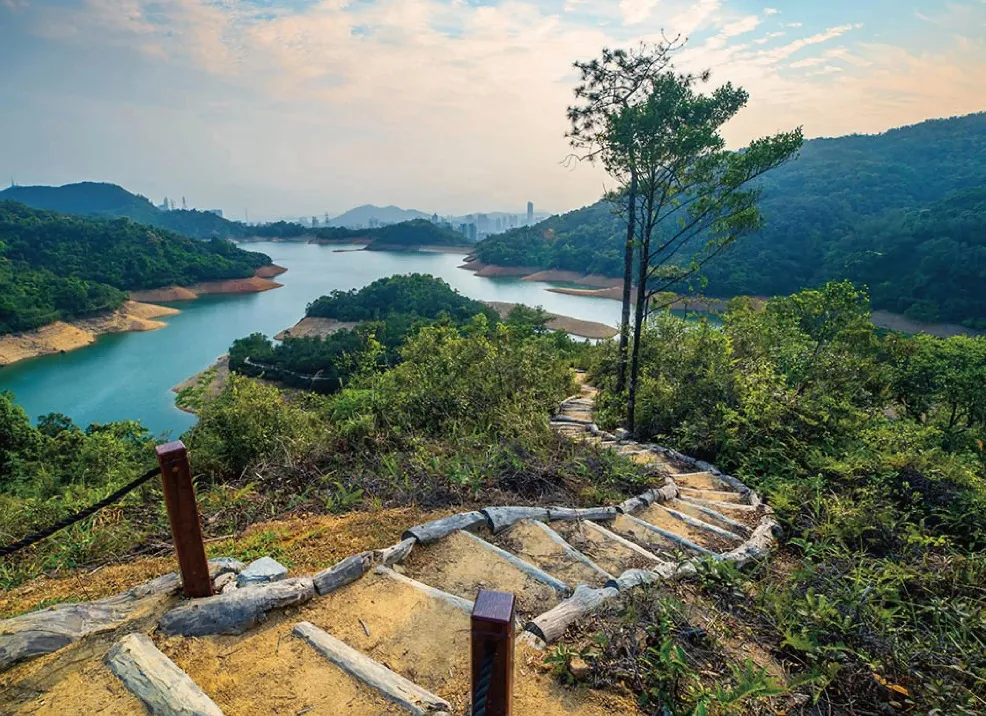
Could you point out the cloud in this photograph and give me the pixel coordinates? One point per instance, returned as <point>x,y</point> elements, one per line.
<point>768,11</point>
<point>448,106</point>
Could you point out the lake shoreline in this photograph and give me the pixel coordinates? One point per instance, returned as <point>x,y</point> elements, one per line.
<point>558,322</point>
<point>63,336</point>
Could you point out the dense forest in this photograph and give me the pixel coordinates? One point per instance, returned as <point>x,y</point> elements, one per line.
<point>56,267</point>
<point>386,312</point>
<point>901,212</point>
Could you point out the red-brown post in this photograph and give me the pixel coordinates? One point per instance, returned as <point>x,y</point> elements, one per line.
<point>493,638</point>
<point>183,513</point>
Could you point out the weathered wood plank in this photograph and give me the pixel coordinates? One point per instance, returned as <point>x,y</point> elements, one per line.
<point>672,537</point>
<point>551,625</point>
<point>345,572</point>
<point>525,567</point>
<point>584,513</point>
<point>570,551</point>
<point>700,524</point>
<point>624,542</point>
<point>237,611</point>
<point>500,518</point>
<point>157,681</point>
<point>436,529</point>
<point>394,554</point>
<point>757,546</point>
<point>372,673</point>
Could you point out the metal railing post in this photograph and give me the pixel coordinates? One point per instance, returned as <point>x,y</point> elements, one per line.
<point>183,514</point>
<point>492,653</point>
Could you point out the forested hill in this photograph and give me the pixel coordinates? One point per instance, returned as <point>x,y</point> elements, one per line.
<point>846,208</point>
<point>407,234</point>
<point>110,200</point>
<point>57,267</point>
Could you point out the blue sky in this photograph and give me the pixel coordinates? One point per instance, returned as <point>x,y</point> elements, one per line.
<point>291,107</point>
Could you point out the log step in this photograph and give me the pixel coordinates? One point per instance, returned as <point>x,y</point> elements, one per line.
<point>665,543</point>
<point>395,687</point>
<point>613,553</point>
<point>156,680</point>
<point>712,516</point>
<point>715,495</point>
<point>461,565</point>
<point>537,543</point>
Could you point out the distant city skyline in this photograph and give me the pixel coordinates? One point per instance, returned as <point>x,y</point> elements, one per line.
<point>285,107</point>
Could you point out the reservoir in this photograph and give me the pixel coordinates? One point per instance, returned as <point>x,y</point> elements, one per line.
<point>129,376</point>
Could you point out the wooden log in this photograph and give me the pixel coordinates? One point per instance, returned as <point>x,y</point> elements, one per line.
<point>157,681</point>
<point>672,537</point>
<point>500,518</point>
<point>526,567</point>
<point>693,492</point>
<point>739,527</point>
<point>183,515</point>
<point>237,611</point>
<point>634,504</point>
<point>570,551</point>
<point>586,513</point>
<point>701,524</point>
<point>634,578</point>
<point>436,529</point>
<point>571,421</point>
<point>717,505</point>
<point>551,625</point>
<point>624,542</point>
<point>345,572</point>
<point>396,554</point>
<point>661,494</point>
<point>372,673</point>
<point>757,546</point>
<point>433,592</point>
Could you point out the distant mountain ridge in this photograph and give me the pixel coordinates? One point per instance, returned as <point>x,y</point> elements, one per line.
<point>100,199</point>
<point>361,216</point>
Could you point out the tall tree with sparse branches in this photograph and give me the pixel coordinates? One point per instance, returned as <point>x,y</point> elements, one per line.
<point>693,197</point>
<point>617,81</point>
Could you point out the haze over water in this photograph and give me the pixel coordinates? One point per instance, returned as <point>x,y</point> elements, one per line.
<point>129,376</point>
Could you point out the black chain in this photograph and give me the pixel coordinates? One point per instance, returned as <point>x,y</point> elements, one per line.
<point>79,516</point>
<point>481,692</point>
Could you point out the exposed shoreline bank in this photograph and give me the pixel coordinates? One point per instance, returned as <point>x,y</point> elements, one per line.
<point>557,322</point>
<point>63,336</point>
<point>135,315</point>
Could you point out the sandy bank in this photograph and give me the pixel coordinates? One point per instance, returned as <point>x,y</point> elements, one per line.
<point>62,336</point>
<point>896,322</point>
<point>254,284</point>
<point>494,271</point>
<point>568,324</point>
<point>428,248</point>
<point>591,280</point>
<point>312,326</point>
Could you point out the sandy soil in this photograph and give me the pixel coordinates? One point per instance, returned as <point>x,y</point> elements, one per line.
<point>607,553</point>
<point>313,326</point>
<point>492,271</point>
<point>60,336</point>
<point>895,322</point>
<point>700,481</point>
<point>257,283</point>
<point>532,544</point>
<point>587,280</point>
<point>557,322</point>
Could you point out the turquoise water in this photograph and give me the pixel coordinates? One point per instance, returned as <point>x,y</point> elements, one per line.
<point>129,376</point>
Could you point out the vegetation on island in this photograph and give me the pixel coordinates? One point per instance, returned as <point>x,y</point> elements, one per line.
<point>386,312</point>
<point>901,212</point>
<point>56,267</point>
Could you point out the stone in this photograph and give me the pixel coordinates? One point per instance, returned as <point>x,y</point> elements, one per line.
<point>222,580</point>
<point>229,587</point>
<point>261,571</point>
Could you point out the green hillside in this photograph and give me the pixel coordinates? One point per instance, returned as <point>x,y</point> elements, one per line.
<point>110,200</point>
<point>57,267</point>
<point>848,207</point>
<point>406,234</point>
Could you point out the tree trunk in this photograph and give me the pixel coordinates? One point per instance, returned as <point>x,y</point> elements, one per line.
<point>638,322</point>
<point>621,373</point>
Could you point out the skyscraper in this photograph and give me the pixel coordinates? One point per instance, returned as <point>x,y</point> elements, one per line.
<point>530,213</point>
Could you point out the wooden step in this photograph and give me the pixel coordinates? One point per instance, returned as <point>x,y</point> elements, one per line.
<point>668,544</point>
<point>610,551</point>
<point>732,523</point>
<point>714,495</point>
<point>542,546</point>
<point>699,481</point>
<point>460,565</point>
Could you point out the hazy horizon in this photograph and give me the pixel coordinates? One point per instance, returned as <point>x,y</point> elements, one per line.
<point>294,107</point>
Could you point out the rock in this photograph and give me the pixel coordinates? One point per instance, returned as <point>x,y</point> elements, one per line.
<point>261,571</point>
<point>579,668</point>
<point>229,587</point>
<point>621,433</point>
<point>224,579</point>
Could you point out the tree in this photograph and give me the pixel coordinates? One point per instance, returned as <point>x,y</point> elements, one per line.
<point>688,190</point>
<point>617,81</point>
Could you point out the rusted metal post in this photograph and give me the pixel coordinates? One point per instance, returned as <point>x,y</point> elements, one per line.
<point>492,653</point>
<point>183,513</point>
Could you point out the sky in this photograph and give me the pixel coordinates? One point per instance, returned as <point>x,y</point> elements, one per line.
<point>294,107</point>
